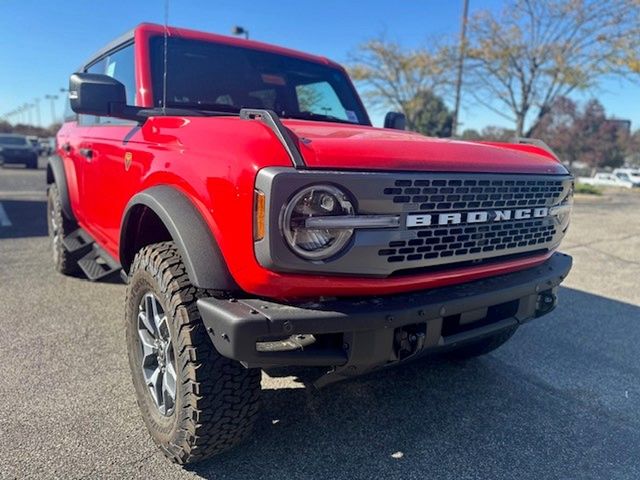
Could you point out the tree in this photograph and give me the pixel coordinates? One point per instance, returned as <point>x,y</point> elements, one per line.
<point>490,133</point>
<point>471,134</point>
<point>498,134</point>
<point>430,115</point>
<point>535,51</point>
<point>560,129</point>
<point>602,139</point>
<point>23,129</point>
<point>395,78</point>
<point>633,149</point>
<point>585,134</point>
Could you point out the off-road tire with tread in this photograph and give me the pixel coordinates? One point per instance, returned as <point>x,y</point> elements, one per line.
<point>482,346</point>
<point>217,399</point>
<point>59,226</point>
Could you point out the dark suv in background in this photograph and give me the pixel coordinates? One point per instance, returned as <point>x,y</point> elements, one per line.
<point>17,149</point>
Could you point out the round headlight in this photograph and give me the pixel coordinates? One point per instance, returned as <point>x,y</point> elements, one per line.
<point>316,242</point>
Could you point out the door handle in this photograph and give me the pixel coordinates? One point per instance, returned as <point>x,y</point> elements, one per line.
<point>86,153</point>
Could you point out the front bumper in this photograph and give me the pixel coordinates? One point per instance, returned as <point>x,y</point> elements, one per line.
<point>358,335</point>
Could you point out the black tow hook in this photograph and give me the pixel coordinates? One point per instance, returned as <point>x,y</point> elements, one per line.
<point>547,301</point>
<point>409,340</point>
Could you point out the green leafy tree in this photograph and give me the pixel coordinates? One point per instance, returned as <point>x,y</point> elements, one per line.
<point>430,115</point>
<point>471,134</point>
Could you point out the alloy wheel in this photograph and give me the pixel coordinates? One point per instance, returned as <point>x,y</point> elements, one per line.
<point>157,354</point>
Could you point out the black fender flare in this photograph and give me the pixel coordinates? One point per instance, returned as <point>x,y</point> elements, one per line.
<point>198,248</point>
<point>57,175</point>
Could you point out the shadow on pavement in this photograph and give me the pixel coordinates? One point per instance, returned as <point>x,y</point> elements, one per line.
<point>28,218</point>
<point>560,400</point>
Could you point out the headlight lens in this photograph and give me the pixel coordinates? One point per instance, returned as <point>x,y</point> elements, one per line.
<point>316,201</point>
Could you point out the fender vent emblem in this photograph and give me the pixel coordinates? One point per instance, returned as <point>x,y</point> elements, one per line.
<point>128,157</point>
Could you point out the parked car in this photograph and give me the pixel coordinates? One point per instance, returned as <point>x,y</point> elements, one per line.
<point>17,149</point>
<point>259,220</point>
<point>628,175</point>
<point>606,180</point>
<point>47,146</point>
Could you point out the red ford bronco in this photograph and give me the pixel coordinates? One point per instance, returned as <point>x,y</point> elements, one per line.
<point>259,220</point>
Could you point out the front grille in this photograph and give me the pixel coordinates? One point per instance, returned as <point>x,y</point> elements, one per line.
<point>448,244</point>
<point>443,195</point>
<point>456,240</point>
<point>424,241</point>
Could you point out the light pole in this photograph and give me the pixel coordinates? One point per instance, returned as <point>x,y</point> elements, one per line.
<point>36,104</point>
<point>463,41</point>
<point>64,95</point>
<point>53,99</point>
<point>238,30</point>
<point>27,107</point>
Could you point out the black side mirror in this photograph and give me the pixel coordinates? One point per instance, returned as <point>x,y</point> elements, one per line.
<point>395,120</point>
<point>101,95</point>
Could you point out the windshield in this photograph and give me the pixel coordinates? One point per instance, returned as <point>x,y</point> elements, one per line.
<point>209,76</point>
<point>13,140</point>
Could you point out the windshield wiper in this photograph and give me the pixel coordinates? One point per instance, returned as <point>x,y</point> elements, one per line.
<point>316,116</point>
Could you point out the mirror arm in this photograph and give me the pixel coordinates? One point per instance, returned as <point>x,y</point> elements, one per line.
<point>118,110</point>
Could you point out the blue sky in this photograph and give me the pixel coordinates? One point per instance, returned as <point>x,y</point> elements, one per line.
<point>42,42</point>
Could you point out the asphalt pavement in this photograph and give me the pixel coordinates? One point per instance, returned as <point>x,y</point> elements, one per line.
<point>561,400</point>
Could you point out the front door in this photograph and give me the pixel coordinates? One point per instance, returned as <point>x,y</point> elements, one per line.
<point>111,151</point>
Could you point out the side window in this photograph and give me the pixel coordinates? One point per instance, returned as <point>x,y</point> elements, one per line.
<point>321,98</point>
<point>97,67</point>
<point>121,66</point>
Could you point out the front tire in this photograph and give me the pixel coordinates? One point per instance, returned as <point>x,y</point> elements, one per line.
<point>211,402</point>
<point>59,226</point>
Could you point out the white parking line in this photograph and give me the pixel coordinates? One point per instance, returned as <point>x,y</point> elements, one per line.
<point>4,218</point>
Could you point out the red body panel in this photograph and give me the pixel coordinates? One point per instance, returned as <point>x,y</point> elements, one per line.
<point>214,161</point>
<point>338,146</point>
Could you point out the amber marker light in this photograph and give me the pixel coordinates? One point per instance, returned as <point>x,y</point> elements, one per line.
<point>259,216</point>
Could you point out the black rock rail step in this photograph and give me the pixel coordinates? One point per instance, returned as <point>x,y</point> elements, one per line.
<point>94,262</point>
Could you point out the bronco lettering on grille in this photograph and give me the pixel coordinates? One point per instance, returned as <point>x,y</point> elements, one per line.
<point>455,218</point>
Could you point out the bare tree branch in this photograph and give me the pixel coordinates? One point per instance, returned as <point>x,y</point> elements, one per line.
<point>539,50</point>
<point>394,77</point>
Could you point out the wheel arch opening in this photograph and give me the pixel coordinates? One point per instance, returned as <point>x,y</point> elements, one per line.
<point>142,227</point>
<point>50,176</point>
<point>162,213</point>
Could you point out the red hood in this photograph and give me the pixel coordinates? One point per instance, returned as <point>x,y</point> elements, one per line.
<point>341,146</point>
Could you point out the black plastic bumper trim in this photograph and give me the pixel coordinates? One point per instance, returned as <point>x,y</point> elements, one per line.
<point>235,325</point>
